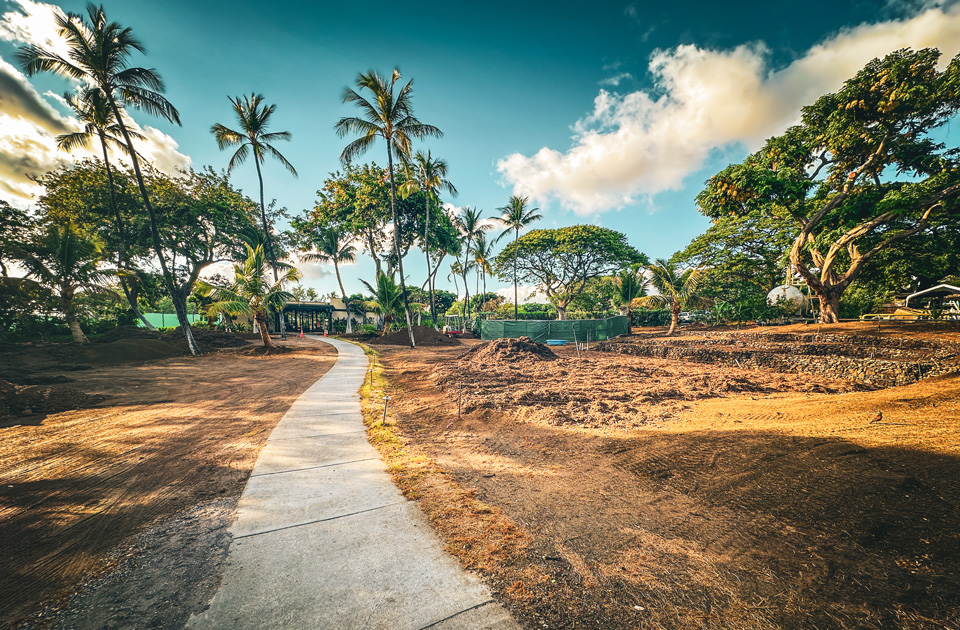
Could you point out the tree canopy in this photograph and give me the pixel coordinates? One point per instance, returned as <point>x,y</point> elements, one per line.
<point>561,261</point>
<point>858,175</point>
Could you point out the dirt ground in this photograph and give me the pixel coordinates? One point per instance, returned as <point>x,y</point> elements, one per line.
<point>773,503</point>
<point>163,454</point>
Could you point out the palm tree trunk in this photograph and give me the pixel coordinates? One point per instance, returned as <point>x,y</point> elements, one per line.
<point>396,245</point>
<point>122,253</point>
<point>373,252</point>
<point>154,229</point>
<point>516,301</point>
<point>426,250</point>
<point>674,318</point>
<point>266,231</point>
<point>346,304</point>
<point>261,318</point>
<point>66,300</point>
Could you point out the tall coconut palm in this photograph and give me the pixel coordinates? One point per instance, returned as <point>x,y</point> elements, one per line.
<point>677,290</point>
<point>253,117</point>
<point>389,116</point>
<point>482,256</point>
<point>99,53</point>
<point>470,224</point>
<point>332,248</point>
<point>428,175</point>
<point>516,216</point>
<point>252,293</point>
<point>66,262</point>
<point>93,111</point>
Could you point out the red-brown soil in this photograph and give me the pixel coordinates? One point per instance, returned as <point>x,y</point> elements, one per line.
<point>775,507</point>
<point>167,435</point>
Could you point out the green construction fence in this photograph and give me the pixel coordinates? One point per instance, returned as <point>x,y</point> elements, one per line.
<point>167,320</point>
<point>579,330</point>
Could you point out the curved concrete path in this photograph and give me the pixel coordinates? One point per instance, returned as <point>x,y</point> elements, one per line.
<point>323,538</point>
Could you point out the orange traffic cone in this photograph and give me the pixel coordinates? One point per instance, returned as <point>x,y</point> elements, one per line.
<point>301,334</point>
<point>324,333</point>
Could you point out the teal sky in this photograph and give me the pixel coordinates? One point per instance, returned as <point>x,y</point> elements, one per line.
<point>505,78</point>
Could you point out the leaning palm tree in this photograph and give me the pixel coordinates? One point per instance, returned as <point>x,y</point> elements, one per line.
<point>516,216</point>
<point>252,293</point>
<point>332,248</point>
<point>387,300</point>
<point>253,117</point>
<point>429,175</point>
<point>99,52</point>
<point>66,262</point>
<point>92,110</point>
<point>677,290</point>
<point>389,116</point>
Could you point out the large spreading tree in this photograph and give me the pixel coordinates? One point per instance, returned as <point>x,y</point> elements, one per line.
<point>561,261</point>
<point>859,175</point>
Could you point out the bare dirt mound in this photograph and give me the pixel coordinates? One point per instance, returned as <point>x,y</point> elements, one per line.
<point>500,351</point>
<point>208,338</point>
<point>128,332</point>
<point>28,400</point>
<point>423,335</point>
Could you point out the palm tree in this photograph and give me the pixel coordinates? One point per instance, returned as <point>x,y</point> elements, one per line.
<point>331,248</point>
<point>254,118</point>
<point>516,216</point>
<point>93,111</point>
<point>677,290</point>
<point>251,292</point>
<point>99,55</point>
<point>470,226</point>
<point>388,299</point>
<point>65,261</point>
<point>389,116</point>
<point>429,175</point>
<point>630,285</point>
<point>482,255</point>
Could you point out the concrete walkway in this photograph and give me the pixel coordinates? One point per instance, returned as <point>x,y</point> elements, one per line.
<point>323,539</point>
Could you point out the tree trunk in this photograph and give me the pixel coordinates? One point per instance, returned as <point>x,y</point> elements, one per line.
<point>829,307</point>
<point>71,316</point>
<point>426,249</point>
<point>674,319</point>
<point>516,302</point>
<point>122,253</point>
<point>561,313</point>
<point>180,306</point>
<point>154,228</point>
<point>261,317</point>
<point>346,304</point>
<point>396,246</point>
<point>271,254</point>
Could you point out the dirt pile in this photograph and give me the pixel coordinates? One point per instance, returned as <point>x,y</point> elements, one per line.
<point>206,338</point>
<point>28,400</point>
<point>128,332</point>
<point>505,351</point>
<point>424,336</point>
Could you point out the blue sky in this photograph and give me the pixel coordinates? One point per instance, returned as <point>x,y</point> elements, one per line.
<point>613,113</point>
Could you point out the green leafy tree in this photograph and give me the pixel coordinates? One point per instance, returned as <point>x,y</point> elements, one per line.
<point>16,228</point>
<point>330,247</point>
<point>252,293</point>
<point>516,215</point>
<point>66,262</point>
<point>388,116</point>
<point>561,261</point>
<point>676,289</point>
<point>253,117</point>
<point>859,175</point>
<point>99,52</point>
<point>429,175</point>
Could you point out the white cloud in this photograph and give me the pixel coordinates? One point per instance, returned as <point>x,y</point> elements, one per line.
<point>616,79</point>
<point>525,293</point>
<point>29,125</point>
<point>643,143</point>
